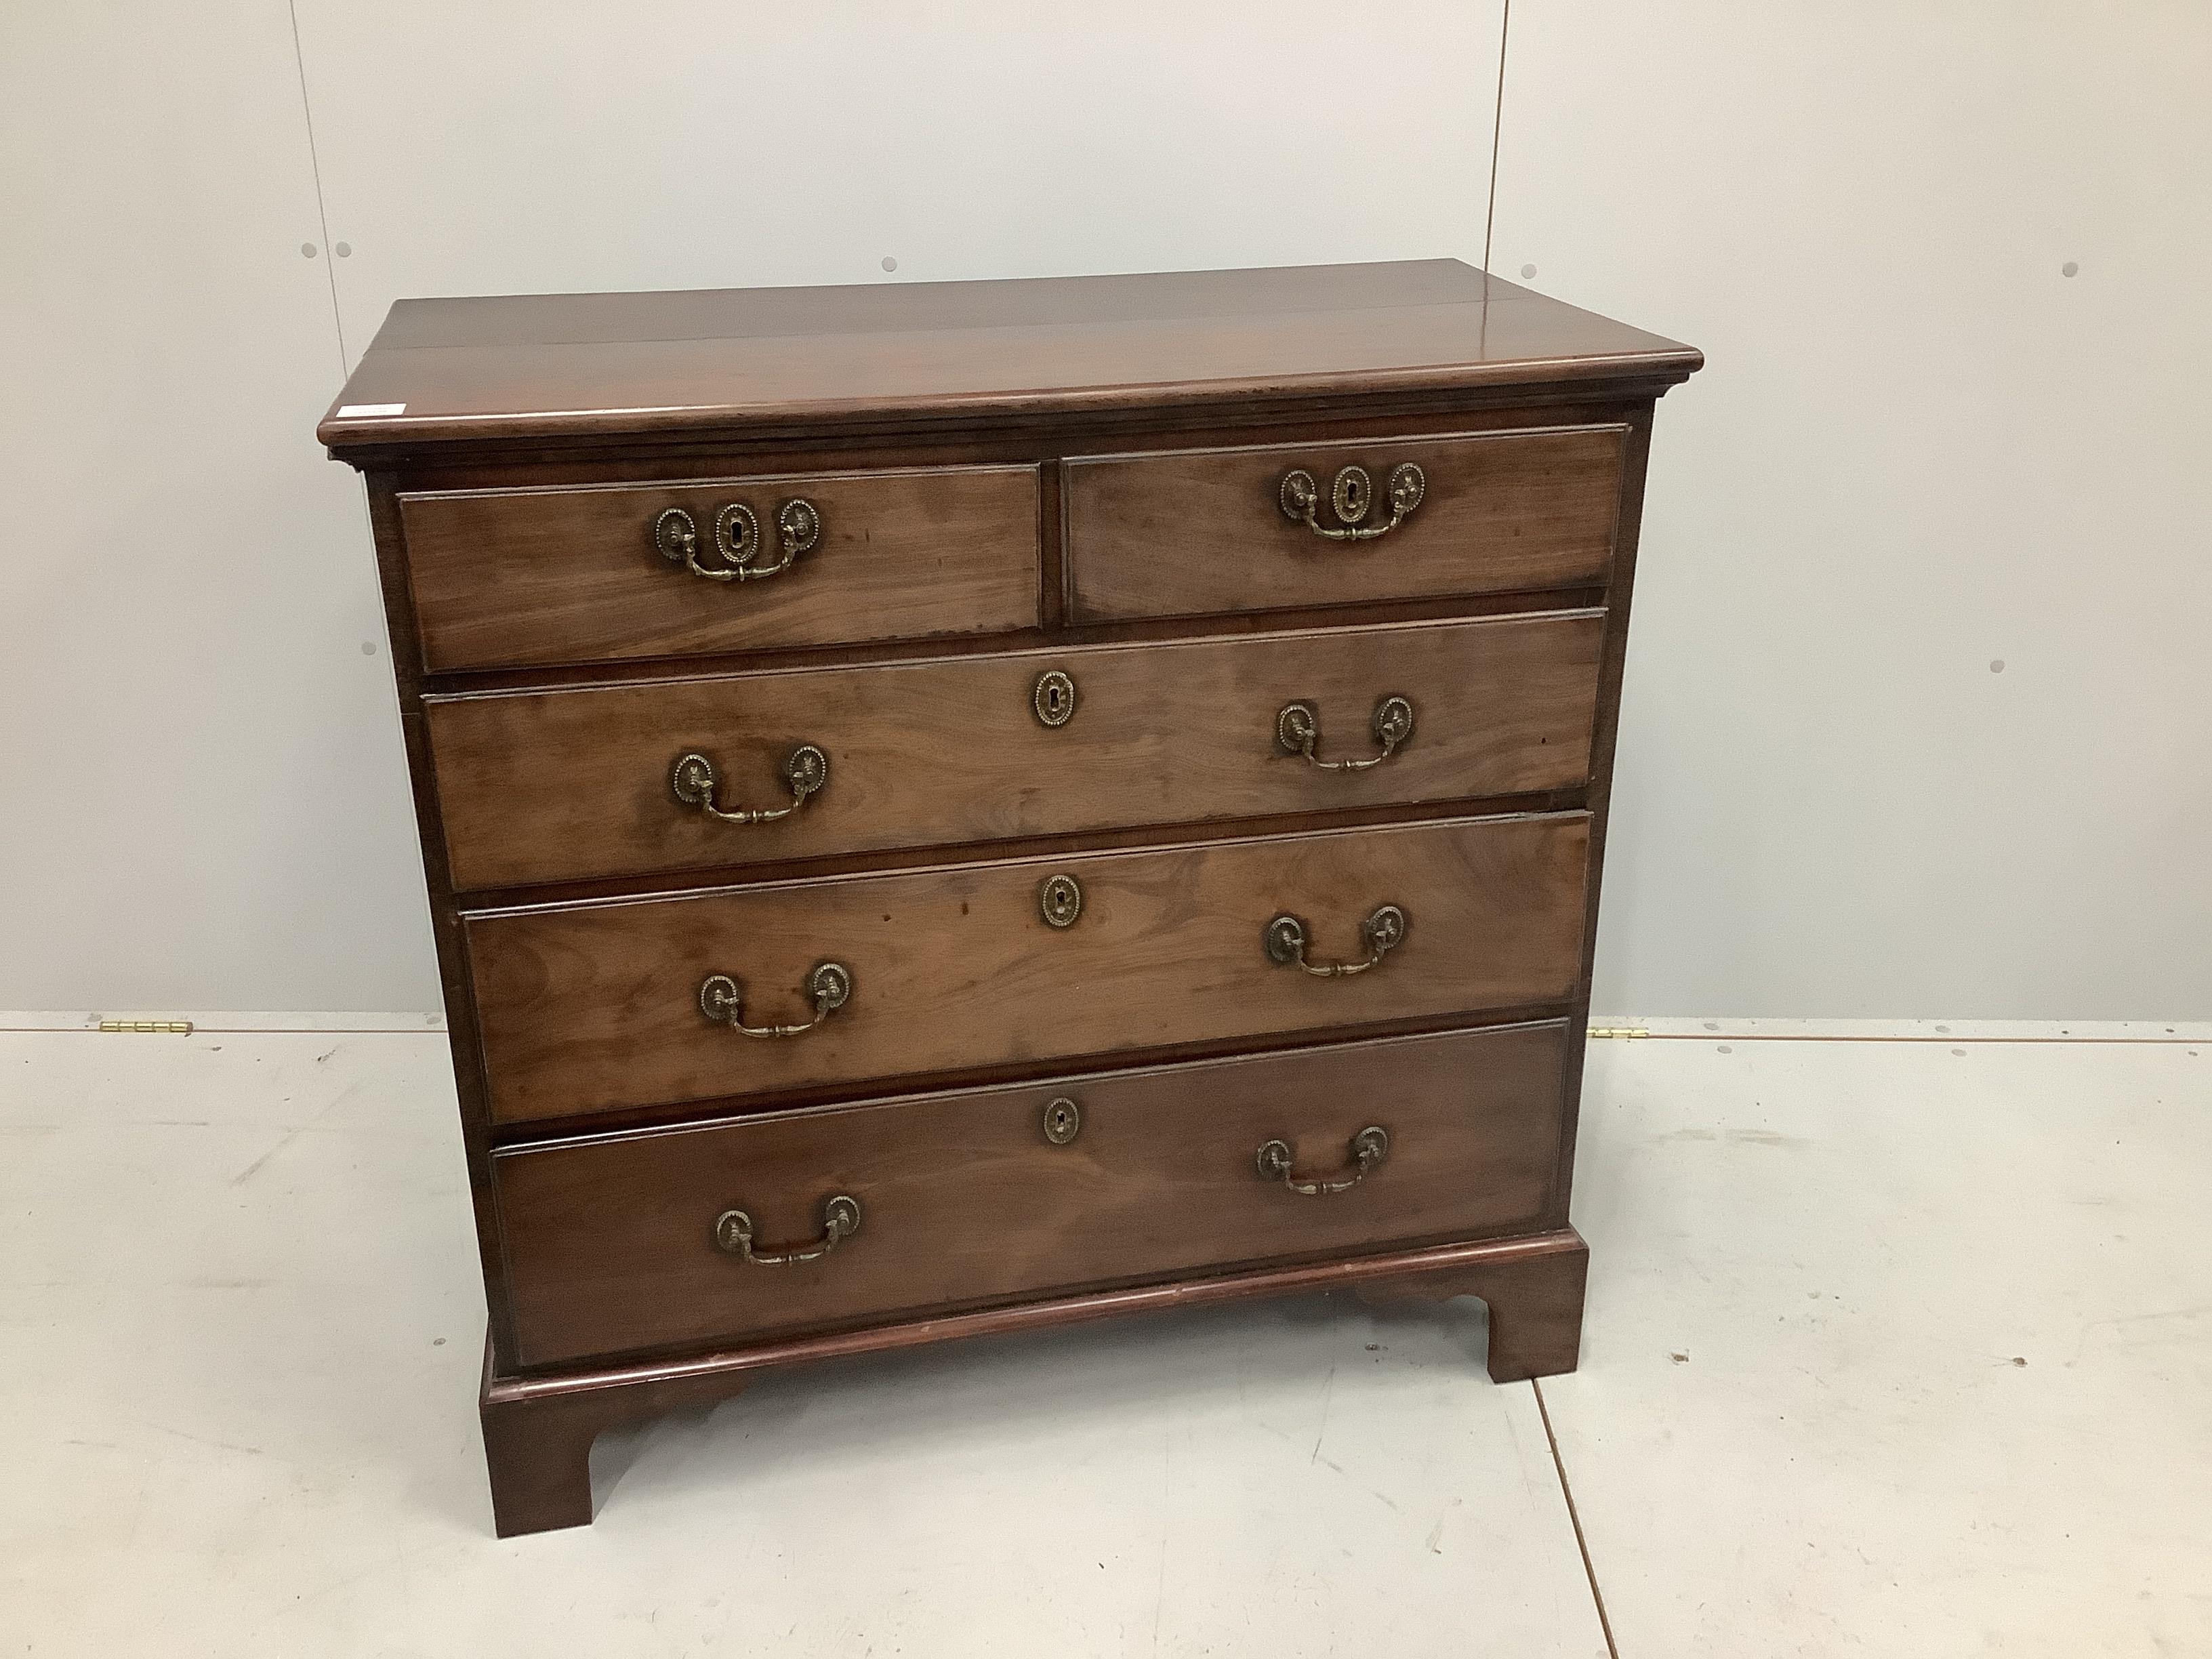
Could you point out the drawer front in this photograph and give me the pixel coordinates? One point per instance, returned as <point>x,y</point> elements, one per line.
<point>603,1006</point>
<point>507,577</point>
<point>611,1244</point>
<point>550,785</point>
<point>1195,533</point>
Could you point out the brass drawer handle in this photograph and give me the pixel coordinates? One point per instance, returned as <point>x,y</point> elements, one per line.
<point>723,999</point>
<point>1298,730</point>
<point>737,540</point>
<point>1368,1148</point>
<point>804,773</point>
<point>1285,939</point>
<point>1351,497</point>
<point>733,1232</point>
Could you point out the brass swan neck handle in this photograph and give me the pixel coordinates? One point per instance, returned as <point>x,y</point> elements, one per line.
<point>1298,732</point>
<point>1351,497</point>
<point>1284,939</point>
<point>723,999</point>
<point>1368,1148</point>
<point>733,1233</point>
<point>805,773</point>
<point>736,537</point>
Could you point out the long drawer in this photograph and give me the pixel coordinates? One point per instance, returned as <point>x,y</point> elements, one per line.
<point>1201,531</point>
<point>502,578</point>
<point>638,1002</point>
<point>616,779</point>
<point>657,1239</point>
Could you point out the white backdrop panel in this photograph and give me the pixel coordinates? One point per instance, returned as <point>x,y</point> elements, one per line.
<point>511,148</point>
<point>1919,450</point>
<point>203,799</point>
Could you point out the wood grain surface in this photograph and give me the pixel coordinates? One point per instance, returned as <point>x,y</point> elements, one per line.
<point>1192,532</point>
<point>963,1201</point>
<point>556,366</point>
<point>503,578</point>
<point>554,786</point>
<point>594,1008</point>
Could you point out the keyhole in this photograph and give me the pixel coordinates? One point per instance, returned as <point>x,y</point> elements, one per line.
<point>1053,698</point>
<point>1062,1119</point>
<point>1349,495</point>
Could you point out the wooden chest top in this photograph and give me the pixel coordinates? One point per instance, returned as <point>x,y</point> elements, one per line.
<point>784,361</point>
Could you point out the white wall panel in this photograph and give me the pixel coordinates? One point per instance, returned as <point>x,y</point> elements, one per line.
<point>512,147</point>
<point>1919,449</point>
<point>202,800</point>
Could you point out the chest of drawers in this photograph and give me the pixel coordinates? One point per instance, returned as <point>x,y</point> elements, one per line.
<point>957,807</point>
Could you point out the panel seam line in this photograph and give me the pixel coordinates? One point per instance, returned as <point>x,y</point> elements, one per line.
<point>1574,1517</point>
<point>1497,134</point>
<point>315,166</point>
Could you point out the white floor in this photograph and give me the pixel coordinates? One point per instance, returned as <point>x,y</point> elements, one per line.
<point>1902,1347</point>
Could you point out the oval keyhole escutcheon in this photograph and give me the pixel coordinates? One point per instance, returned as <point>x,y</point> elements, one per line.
<point>1060,899</point>
<point>1063,1120</point>
<point>1054,697</point>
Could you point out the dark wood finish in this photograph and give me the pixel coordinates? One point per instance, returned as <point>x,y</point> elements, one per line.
<point>964,1201</point>
<point>910,354</point>
<point>595,1008</point>
<point>538,1429</point>
<point>445,919</point>
<point>1535,1307</point>
<point>506,577</point>
<point>581,404</point>
<point>559,786</point>
<point>1191,532</point>
<point>1601,788</point>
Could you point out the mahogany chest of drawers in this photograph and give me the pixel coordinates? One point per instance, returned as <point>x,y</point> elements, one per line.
<point>954,807</point>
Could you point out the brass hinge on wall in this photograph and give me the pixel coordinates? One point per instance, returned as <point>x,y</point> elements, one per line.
<point>1625,1032</point>
<point>169,1027</point>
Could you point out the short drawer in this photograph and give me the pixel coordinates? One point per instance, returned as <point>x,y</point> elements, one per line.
<point>964,1199</point>
<point>635,1003</point>
<point>502,578</point>
<point>1199,531</point>
<point>600,780</point>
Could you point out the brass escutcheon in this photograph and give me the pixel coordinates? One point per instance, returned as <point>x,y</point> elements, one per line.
<point>1060,899</point>
<point>1352,494</point>
<point>1063,1119</point>
<point>1054,697</point>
